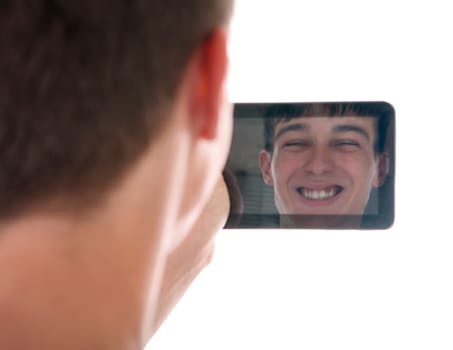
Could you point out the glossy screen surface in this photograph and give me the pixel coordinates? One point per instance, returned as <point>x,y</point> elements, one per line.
<point>319,145</point>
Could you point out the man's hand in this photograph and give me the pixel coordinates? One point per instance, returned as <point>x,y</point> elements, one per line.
<point>188,259</point>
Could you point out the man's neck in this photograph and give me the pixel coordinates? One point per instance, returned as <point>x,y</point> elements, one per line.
<point>80,284</point>
<point>93,281</point>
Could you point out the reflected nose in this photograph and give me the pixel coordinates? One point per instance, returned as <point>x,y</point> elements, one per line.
<point>319,162</point>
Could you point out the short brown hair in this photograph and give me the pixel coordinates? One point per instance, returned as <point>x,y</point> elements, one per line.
<point>85,86</point>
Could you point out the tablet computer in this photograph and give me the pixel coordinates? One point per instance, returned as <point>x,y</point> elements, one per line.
<point>326,165</point>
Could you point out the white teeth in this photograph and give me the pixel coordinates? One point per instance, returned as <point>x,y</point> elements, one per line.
<point>318,195</point>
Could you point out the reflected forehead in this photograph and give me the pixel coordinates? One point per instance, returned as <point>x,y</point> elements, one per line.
<point>329,124</point>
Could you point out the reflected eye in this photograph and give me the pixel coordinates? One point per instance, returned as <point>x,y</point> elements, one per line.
<point>296,145</point>
<point>346,145</point>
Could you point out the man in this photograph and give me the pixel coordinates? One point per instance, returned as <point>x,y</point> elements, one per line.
<point>324,159</point>
<point>114,129</point>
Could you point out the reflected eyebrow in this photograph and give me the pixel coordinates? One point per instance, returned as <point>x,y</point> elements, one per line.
<point>353,128</point>
<point>292,127</point>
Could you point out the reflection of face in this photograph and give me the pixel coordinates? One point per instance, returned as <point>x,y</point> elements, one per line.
<point>322,165</point>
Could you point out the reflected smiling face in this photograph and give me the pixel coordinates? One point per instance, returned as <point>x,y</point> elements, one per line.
<point>322,165</point>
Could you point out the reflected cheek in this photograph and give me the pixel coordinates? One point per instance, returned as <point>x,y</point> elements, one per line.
<point>283,170</point>
<point>357,168</point>
<point>362,178</point>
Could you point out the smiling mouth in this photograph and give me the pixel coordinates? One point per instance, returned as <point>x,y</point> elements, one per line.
<point>320,194</point>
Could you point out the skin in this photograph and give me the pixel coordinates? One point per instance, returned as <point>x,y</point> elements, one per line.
<point>330,154</point>
<point>108,278</point>
<point>196,248</point>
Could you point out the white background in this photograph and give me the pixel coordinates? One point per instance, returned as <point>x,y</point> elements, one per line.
<point>388,289</point>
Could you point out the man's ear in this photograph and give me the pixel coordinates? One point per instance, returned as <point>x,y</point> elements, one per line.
<point>210,65</point>
<point>204,125</point>
<point>265,165</point>
<point>382,169</point>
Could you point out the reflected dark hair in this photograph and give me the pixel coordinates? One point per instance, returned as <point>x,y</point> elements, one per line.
<point>85,87</point>
<point>284,112</point>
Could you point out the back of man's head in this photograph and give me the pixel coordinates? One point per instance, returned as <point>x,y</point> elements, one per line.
<point>85,87</point>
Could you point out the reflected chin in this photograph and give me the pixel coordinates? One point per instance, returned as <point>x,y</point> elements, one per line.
<point>318,221</point>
